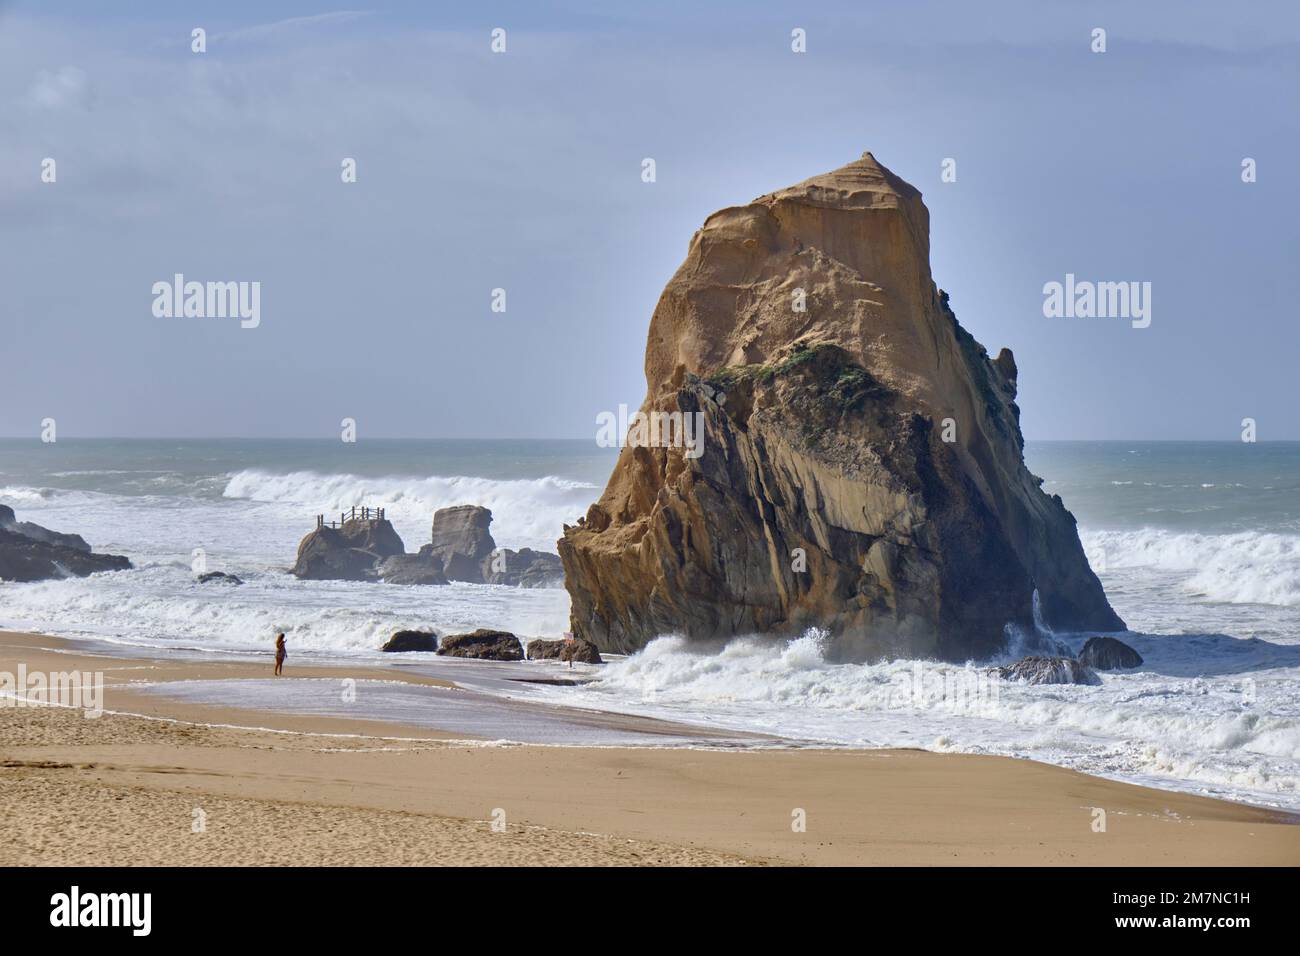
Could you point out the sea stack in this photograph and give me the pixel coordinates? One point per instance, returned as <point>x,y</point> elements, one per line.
<point>860,466</point>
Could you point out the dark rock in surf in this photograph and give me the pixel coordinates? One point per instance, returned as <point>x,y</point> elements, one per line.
<point>1048,670</point>
<point>421,568</point>
<point>9,522</point>
<point>29,552</point>
<point>483,644</point>
<point>218,577</point>
<point>404,641</point>
<point>544,650</point>
<point>1108,653</point>
<point>584,652</point>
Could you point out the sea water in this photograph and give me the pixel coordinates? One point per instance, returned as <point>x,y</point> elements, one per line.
<point>1197,544</point>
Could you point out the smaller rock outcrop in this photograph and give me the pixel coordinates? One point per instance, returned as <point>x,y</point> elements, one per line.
<point>1108,654</point>
<point>29,552</point>
<point>404,641</point>
<point>367,548</point>
<point>483,644</point>
<point>524,568</point>
<point>575,649</point>
<point>1048,670</point>
<point>351,552</point>
<point>218,577</point>
<point>582,651</point>
<point>462,542</point>
<point>9,522</point>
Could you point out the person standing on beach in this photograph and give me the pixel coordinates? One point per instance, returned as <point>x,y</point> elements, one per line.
<point>280,654</point>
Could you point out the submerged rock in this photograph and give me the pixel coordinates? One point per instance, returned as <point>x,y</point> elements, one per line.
<point>1048,670</point>
<point>1108,653</point>
<point>29,552</point>
<point>218,577</point>
<point>483,644</point>
<point>404,641</point>
<point>834,450</point>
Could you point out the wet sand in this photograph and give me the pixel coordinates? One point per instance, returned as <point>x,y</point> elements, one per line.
<point>133,786</point>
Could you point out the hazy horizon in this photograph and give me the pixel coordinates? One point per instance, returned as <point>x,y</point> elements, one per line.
<point>522,170</point>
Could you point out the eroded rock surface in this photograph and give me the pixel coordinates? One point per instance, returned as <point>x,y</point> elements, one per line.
<point>862,463</point>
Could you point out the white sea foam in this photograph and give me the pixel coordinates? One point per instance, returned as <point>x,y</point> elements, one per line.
<point>162,605</point>
<point>1247,567</point>
<point>1234,731</point>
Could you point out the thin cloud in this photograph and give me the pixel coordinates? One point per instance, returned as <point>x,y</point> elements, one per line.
<point>266,31</point>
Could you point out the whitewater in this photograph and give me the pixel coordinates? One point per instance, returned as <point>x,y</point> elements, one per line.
<point>1198,546</point>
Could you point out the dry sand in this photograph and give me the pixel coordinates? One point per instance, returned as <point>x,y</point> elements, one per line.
<point>275,789</point>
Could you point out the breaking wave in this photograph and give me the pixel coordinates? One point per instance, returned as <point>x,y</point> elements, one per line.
<point>525,512</point>
<point>1247,567</point>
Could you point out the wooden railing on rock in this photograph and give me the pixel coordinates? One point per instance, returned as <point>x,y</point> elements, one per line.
<point>356,514</point>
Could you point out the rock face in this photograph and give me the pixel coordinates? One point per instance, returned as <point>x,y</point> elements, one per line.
<point>483,644</point>
<point>405,641</point>
<point>1108,653</point>
<point>461,541</point>
<point>350,552</point>
<point>1048,670</point>
<point>862,464</point>
<point>584,652</point>
<point>29,552</point>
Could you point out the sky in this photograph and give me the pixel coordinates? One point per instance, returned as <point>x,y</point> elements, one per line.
<point>522,171</point>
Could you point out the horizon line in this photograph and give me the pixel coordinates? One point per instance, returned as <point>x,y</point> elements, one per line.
<point>323,438</point>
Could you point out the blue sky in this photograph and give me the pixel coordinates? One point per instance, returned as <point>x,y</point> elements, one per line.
<point>522,171</point>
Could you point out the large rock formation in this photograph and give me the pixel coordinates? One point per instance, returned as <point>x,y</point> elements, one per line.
<point>29,552</point>
<point>862,464</point>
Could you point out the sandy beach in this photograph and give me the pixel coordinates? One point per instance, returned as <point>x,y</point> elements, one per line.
<point>135,784</point>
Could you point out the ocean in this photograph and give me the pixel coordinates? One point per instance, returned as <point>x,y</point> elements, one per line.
<point>1197,544</point>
